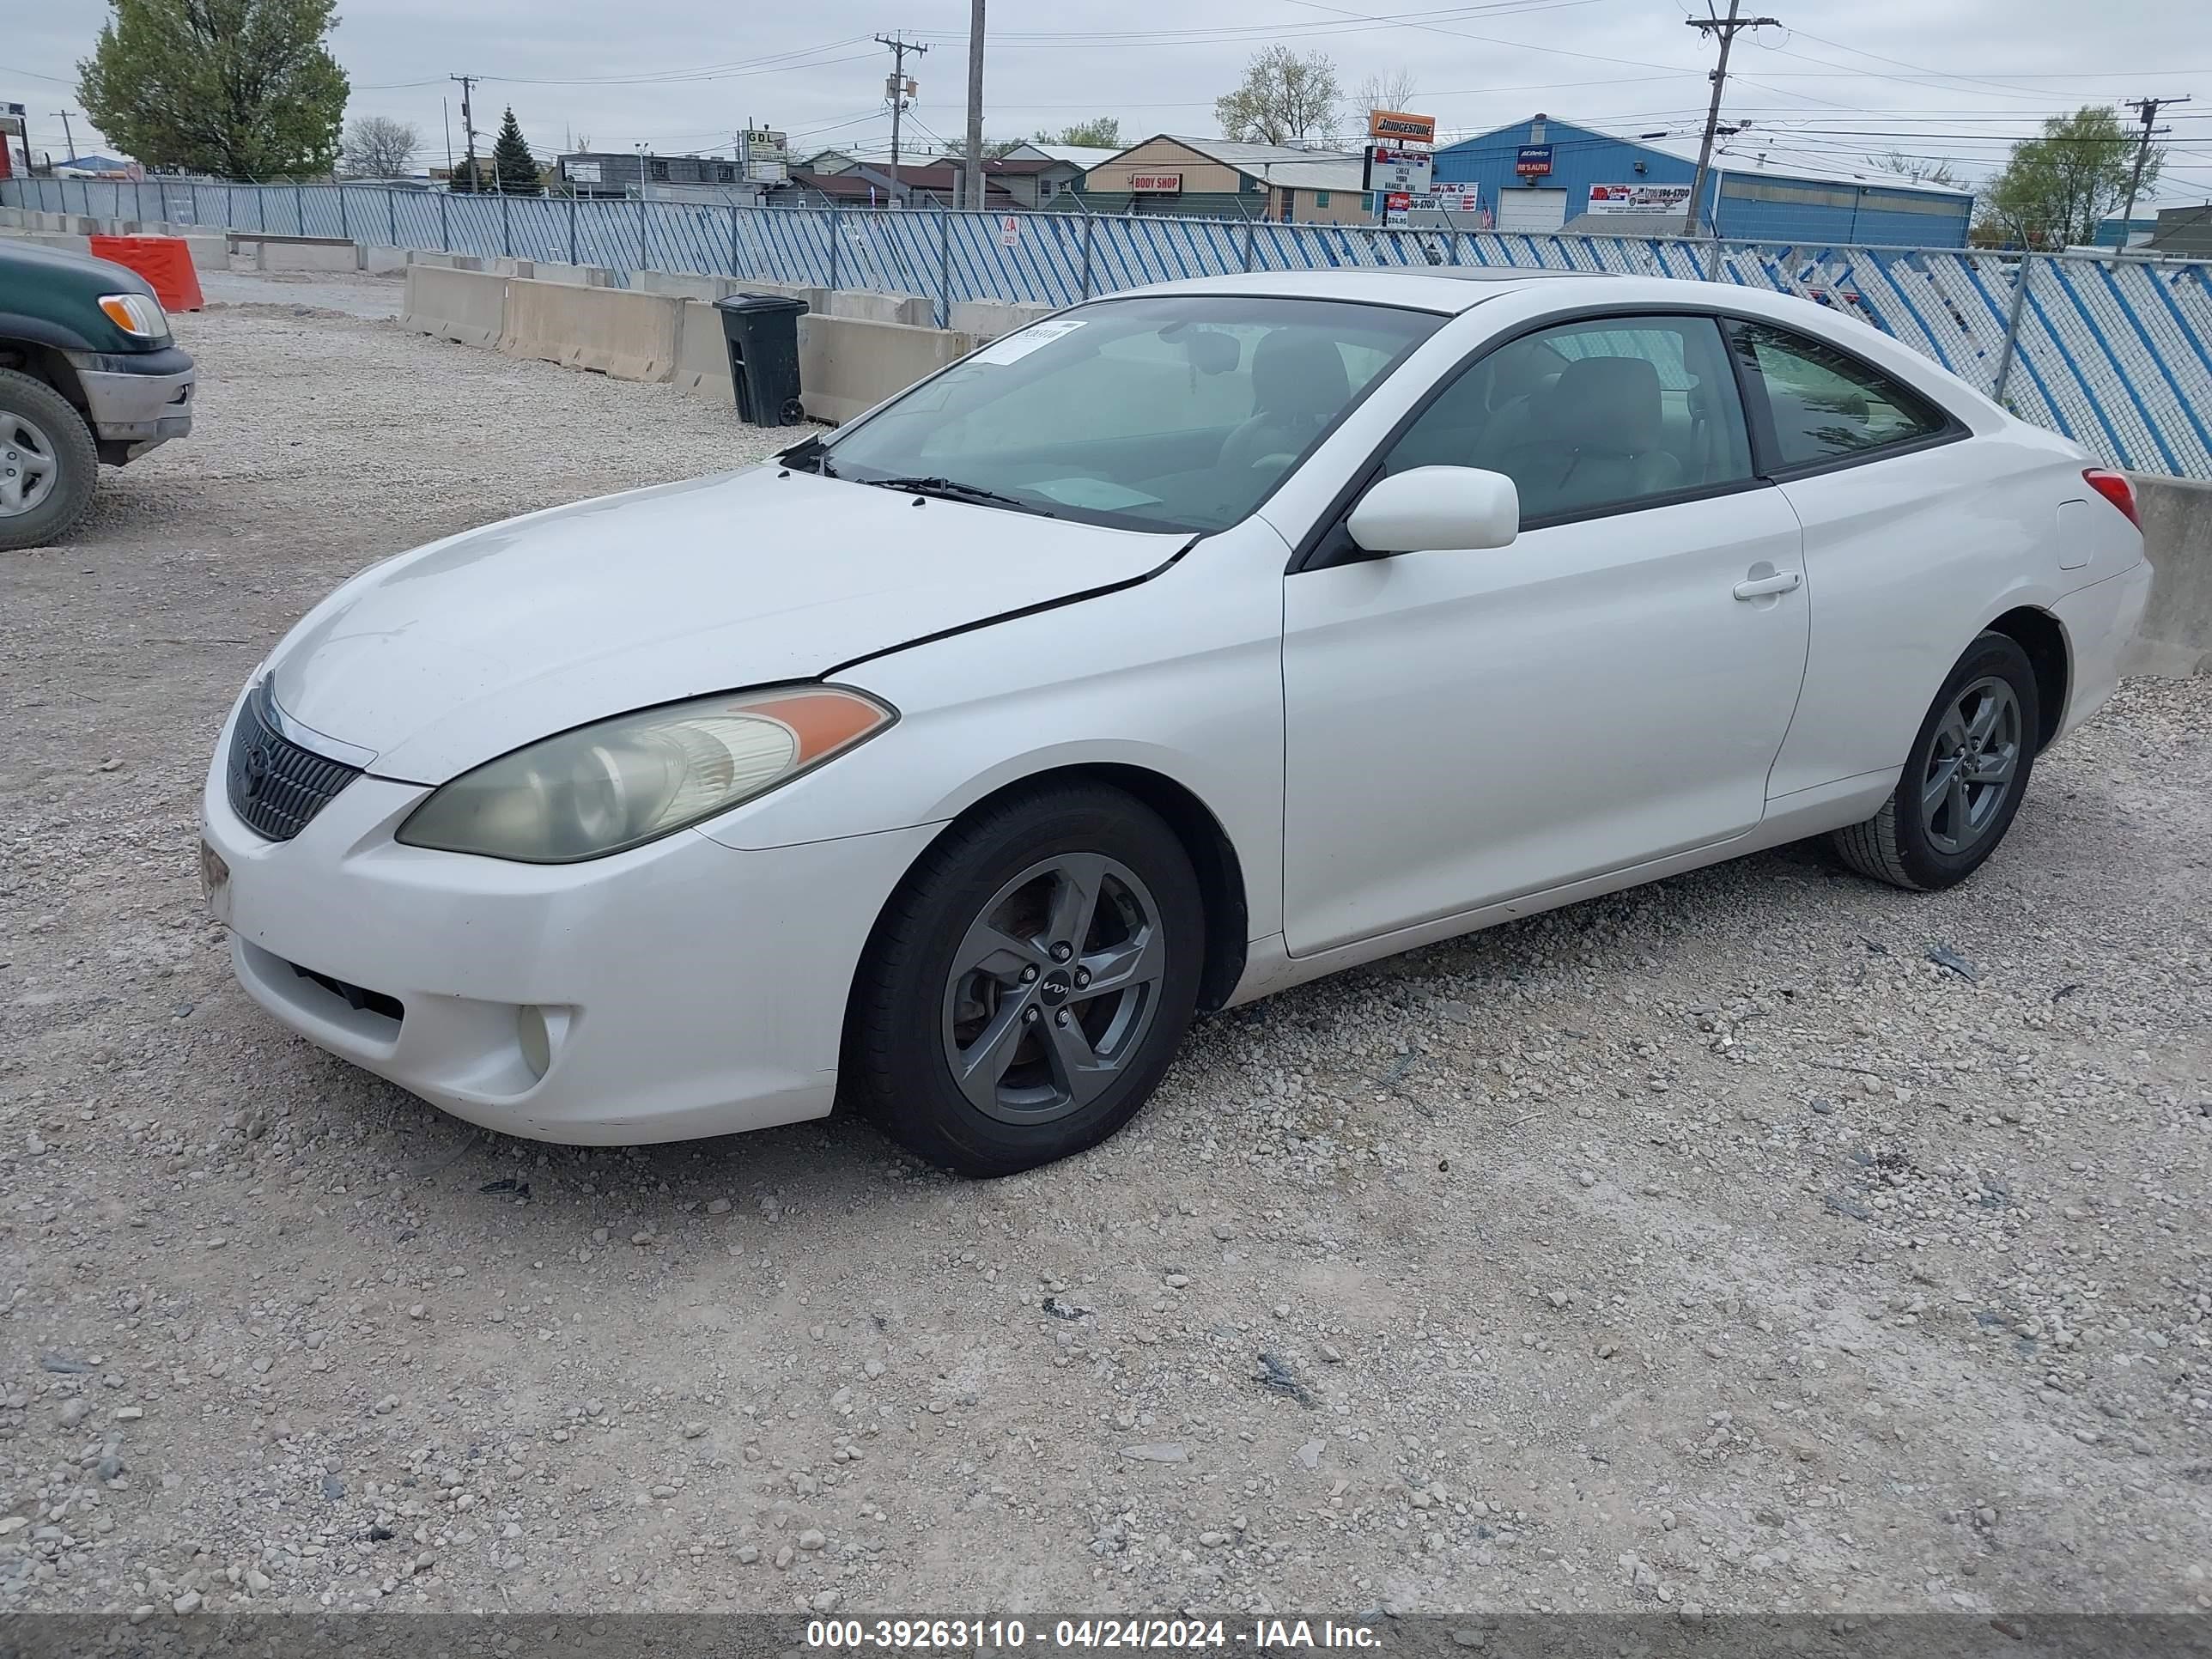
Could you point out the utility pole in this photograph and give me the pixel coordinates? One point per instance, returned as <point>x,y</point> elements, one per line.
<point>976,106</point>
<point>69,136</point>
<point>900,89</point>
<point>2148,108</point>
<point>468,129</point>
<point>1727,29</point>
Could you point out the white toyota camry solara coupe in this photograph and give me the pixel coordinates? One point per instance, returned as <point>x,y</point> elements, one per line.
<point>1184,646</point>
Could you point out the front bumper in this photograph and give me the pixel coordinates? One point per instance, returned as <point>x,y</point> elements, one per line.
<point>134,407</point>
<point>688,989</point>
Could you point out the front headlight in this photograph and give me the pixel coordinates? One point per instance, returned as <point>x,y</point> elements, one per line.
<point>136,314</point>
<point>615,785</point>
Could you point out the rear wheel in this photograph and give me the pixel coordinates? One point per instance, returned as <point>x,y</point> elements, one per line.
<point>1029,984</point>
<point>1964,781</point>
<point>48,466</point>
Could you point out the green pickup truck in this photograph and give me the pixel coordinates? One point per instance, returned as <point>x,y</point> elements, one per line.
<point>88,374</point>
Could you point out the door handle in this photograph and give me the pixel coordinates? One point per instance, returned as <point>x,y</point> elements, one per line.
<point>1758,588</point>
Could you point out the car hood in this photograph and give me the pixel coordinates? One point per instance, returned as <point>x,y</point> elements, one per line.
<point>446,657</point>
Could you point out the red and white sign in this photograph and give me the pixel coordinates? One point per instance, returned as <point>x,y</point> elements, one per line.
<point>1670,199</point>
<point>1010,229</point>
<point>1156,184</point>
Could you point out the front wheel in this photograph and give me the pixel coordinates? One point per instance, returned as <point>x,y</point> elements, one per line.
<point>1028,985</point>
<point>48,466</point>
<point>1964,780</point>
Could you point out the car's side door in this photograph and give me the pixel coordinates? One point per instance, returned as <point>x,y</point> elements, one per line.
<point>1462,727</point>
<point>1907,537</point>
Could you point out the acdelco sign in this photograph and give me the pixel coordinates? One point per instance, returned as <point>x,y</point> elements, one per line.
<point>1406,129</point>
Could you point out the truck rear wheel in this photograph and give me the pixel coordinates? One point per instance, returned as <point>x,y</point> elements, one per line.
<point>48,466</point>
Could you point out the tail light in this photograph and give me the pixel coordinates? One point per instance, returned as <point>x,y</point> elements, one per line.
<point>2116,488</point>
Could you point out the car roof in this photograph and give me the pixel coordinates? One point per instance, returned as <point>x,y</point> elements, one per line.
<point>1425,288</point>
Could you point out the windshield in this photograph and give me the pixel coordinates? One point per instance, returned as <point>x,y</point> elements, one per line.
<point>1169,412</point>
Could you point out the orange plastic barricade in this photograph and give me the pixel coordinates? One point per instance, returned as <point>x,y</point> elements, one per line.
<point>164,261</point>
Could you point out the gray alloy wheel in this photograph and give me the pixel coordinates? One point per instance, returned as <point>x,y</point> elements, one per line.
<point>29,469</point>
<point>1054,988</point>
<point>1970,766</point>
<point>1962,779</point>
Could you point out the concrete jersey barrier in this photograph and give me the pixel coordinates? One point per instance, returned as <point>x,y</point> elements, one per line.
<point>2174,640</point>
<point>847,365</point>
<point>629,335</point>
<point>469,306</point>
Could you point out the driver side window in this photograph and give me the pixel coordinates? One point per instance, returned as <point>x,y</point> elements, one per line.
<point>1592,417</point>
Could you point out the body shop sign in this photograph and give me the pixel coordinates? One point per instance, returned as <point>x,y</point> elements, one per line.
<point>1156,184</point>
<point>1670,199</point>
<point>1533,161</point>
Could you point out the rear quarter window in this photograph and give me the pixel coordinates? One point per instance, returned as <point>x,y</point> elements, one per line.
<point>1826,405</point>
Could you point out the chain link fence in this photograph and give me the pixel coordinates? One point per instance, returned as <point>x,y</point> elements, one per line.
<point>2114,352</point>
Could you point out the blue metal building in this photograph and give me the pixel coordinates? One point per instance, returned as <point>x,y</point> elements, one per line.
<point>1545,175</point>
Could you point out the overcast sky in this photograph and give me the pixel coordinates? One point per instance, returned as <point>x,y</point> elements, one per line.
<point>1951,79</point>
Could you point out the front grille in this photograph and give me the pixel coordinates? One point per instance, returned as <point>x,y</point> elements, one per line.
<point>275,786</point>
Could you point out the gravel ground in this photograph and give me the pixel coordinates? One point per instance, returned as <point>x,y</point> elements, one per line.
<point>363,296</point>
<point>1708,1247</point>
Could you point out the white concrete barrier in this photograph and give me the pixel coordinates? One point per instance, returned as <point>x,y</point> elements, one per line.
<point>2175,638</point>
<point>275,256</point>
<point>868,306</point>
<point>986,319</point>
<point>580,276</point>
<point>847,365</point>
<point>53,239</point>
<point>629,335</point>
<point>702,353</point>
<point>680,284</point>
<point>467,305</point>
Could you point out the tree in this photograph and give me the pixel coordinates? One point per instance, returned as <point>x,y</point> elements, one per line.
<point>512,166</point>
<point>1284,98</point>
<point>1918,168</point>
<point>239,88</point>
<point>1393,91</point>
<point>1099,132</point>
<point>378,147</point>
<point>992,148</point>
<point>2057,188</point>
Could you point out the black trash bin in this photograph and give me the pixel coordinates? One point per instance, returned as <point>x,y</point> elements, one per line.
<point>763,331</point>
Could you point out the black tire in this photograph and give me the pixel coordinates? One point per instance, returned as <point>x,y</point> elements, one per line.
<point>1899,844</point>
<point>902,1029</point>
<point>67,444</point>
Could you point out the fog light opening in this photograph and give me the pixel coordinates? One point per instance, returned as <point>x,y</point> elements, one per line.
<point>538,1032</point>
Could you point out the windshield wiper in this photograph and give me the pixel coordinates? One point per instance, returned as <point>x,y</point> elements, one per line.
<point>952,490</point>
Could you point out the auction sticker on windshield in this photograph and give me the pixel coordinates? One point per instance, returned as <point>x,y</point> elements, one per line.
<point>1015,347</point>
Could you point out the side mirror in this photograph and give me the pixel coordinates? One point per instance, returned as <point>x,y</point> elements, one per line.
<point>1435,509</point>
